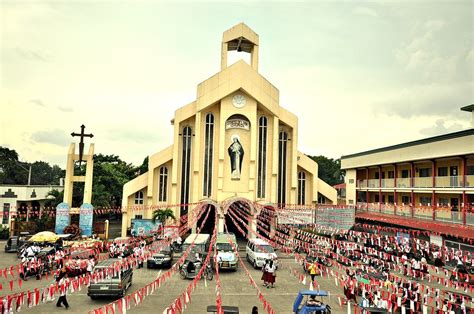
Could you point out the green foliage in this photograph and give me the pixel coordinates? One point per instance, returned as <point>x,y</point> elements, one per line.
<point>12,171</point>
<point>4,232</point>
<point>110,174</point>
<point>329,170</point>
<point>144,167</point>
<point>54,197</point>
<point>163,215</point>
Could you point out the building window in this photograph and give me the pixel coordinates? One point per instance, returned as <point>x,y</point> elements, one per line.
<point>139,198</point>
<point>301,187</point>
<point>406,199</point>
<point>405,173</point>
<point>424,172</point>
<point>377,175</point>
<point>391,174</point>
<point>208,154</point>
<point>185,169</point>
<point>262,156</point>
<point>6,213</point>
<point>425,200</point>
<point>470,170</point>
<point>282,147</point>
<point>163,184</point>
<point>138,217</point>
<point>442,171</point>
<point>443,201</point>
<point>376,198</point>
<point>391,199</point>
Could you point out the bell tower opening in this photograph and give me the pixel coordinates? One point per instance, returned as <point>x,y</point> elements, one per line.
<point>239,42</point>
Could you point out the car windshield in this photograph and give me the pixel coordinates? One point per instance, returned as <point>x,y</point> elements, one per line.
<point>165,251</point>
<point>224,247</point>
<point>263,249</point>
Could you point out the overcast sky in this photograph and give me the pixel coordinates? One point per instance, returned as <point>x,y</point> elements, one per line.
<point>359,75</point>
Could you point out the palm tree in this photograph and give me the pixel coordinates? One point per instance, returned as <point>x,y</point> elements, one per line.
<point>163,214</point>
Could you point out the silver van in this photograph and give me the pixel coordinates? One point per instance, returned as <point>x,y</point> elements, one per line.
<point>115,286</point>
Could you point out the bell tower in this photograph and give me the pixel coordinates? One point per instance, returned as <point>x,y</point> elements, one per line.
<point>240,38</point>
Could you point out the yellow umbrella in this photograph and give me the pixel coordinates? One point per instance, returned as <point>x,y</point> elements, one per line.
<point>44,236</point>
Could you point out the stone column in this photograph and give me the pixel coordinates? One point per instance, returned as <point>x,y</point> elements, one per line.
<point>252,227</point>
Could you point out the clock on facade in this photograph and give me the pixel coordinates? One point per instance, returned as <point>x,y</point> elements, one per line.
<point>238,100</point>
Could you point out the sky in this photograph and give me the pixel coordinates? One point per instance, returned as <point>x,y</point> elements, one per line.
<point>359,75</point>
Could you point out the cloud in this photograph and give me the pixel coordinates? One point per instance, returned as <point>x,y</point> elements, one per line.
<point>425,100</point>
<point>65,109</point>
<point>138,136</point>
<point>365,12</point>
<point>56,137</point>
<point>440,128</point>
<point>37,102</point>
<point>32,55</point>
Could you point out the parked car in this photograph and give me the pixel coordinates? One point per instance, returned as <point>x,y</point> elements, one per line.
<point>201,243</point>
<point>115,286</point>
<point>14,243</point>
<point>257,251</point>
<point>163,258</point>
<point>77,264</point>
<point>226,255</point>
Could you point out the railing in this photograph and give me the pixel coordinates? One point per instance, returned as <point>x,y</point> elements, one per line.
<point>403,210</point>
<point>423,182</point>
<point>449,216</point>
<point>469,181</point>
<point>423,212</point>
<point>361,183</point>
<point>374,183</point>
<point>444,214</point>
<point>388,183</point>
<point>419,182</point>
<point>448,182</point>
<point>403,182</point>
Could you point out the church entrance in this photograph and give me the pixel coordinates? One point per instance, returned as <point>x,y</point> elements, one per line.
<point>209,224</point>
<point>238,215</point>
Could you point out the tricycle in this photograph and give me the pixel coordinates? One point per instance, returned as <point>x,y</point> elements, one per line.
<point>311,305</point>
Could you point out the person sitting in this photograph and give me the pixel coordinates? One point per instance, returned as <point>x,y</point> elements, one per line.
<point>190,267</point>
<point>313,302</point>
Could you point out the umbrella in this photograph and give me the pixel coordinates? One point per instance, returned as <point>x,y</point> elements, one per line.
<point>44,236</point>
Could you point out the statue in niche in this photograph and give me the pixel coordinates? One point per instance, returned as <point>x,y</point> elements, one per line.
<point>236,154</point>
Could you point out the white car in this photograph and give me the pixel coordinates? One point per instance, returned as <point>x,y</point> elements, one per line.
<point>258,251</point>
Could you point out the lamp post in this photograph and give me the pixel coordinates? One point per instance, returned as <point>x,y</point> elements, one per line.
<point>29,171</point>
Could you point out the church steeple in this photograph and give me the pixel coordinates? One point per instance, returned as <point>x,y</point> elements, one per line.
<point>240,38</point>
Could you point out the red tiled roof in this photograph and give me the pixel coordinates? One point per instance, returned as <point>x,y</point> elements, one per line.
<point>339,186</point>
<point>435,227</point>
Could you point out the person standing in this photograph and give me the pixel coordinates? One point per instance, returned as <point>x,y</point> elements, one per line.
<point>63,290</point>
<point>264,273</point>
<point>313,271</point>
<point>271,274</point>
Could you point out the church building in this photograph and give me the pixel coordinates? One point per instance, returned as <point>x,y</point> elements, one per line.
<point>234,144</point>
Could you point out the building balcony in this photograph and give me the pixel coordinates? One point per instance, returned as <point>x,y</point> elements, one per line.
<point>440,214</point>
<point>373,183</point>
<point>403,182</point>
<point>388,183</point>
<point>423,182</point>
<point>449,182</point>
<point>469,181</point>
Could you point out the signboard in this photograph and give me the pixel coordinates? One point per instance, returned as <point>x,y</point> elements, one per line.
<point>436,240</point>
<point>403,238</point>
<point>143,227</point>
<point>171,232</point>
<point>86,213</point>
<point>62,217</point>
<point>237,124</point>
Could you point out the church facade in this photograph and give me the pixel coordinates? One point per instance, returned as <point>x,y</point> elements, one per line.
<point>233,143</point>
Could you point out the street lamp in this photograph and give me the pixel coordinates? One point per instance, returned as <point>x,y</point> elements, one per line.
<point>29,171</point>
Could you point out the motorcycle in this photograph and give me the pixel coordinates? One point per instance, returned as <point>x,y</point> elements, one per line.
<point>176,247</point>
<point>187,272</point>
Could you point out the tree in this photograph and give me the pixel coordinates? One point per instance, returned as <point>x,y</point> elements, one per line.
<point>163,215</point>
<point>53,198</point>
<point>329,170</point>
<point>144,167</point>
<point>10,170</point>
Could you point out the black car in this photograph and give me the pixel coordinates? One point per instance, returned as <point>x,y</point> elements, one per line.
<point>163,258</point>
<point>14,243</point>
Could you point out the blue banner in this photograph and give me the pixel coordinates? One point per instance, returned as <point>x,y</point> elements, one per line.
<point>143,227</point>
<point>86,212</point>
<point>62,217</point>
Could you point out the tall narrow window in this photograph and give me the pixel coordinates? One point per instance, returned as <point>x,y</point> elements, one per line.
<point>185,169</point>
<point>163,184</point>
<point>208,154</point>
<point>139,198</point>
<point>282,146</point>
<point>262,156</point>
<point>301,187</point>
